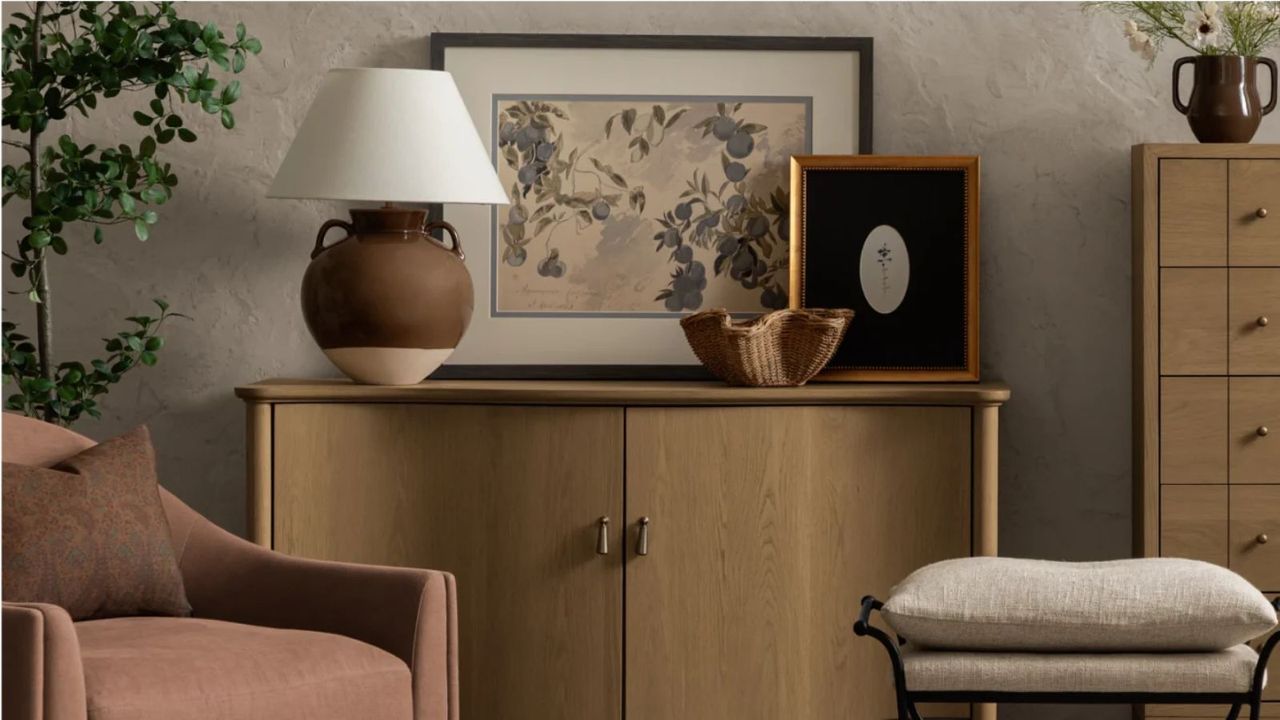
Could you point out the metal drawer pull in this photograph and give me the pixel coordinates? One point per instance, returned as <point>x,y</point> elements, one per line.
<point>602,536</point>
<point>1263,320</point>
<point>1263,431</point>
<point>1262,212</point>
<point>642,543</point>
<point>1262,538</point>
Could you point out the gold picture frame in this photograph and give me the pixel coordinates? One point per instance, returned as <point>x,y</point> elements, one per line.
<point>847,205</point>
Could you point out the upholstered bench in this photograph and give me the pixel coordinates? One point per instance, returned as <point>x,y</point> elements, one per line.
<point>1026,631</point>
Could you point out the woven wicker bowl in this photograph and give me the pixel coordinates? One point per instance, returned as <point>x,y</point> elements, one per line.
<point>782,348</point>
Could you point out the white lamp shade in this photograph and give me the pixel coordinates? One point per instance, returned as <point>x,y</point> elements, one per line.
<point>388,135</point>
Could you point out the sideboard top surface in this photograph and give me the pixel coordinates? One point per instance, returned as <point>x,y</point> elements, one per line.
<point>610,392</point>
<point>1208,150</point>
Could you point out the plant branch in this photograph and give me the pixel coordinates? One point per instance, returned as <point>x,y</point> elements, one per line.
<point>44,313</point>
<point>1164,27</point>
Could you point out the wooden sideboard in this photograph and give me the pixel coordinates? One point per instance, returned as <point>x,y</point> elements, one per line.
<point>1206,353</point>
<point>765,513</point>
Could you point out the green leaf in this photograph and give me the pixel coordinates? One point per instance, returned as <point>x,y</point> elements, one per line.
<point>160,303</point>
<point>148,147</point>
<point>58,245</point>
<point>97,236</point>
<point>164,136</point>
<point>141,230</point>
<point>231,92</point>
<point>240,31</point>
<point>252,45</point>
<point>135,343</point>
<point>150,217</point>
<point>128,203</point>
<point>157,107</point>
<point>237,62</point>
<point>147,358</point>
<point>186,135</point>
<point>173,121</point>
<point>40,238</point>
<point>141,118</point>
<point>155,343</point>
<point>228,120</point>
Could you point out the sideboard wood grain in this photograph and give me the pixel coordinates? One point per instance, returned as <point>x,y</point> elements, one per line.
<point>771,511</point>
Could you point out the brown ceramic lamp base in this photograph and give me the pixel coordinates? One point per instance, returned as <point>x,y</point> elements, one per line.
<point>388,303</point>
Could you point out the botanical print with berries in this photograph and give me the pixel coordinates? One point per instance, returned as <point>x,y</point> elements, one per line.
<point>644,206</point>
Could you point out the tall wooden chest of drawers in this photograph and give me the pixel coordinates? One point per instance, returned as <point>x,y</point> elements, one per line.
<point>1206,362</point>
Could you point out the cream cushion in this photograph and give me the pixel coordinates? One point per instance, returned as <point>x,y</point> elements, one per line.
<point>1221,671</point>
<point>1158,604</point>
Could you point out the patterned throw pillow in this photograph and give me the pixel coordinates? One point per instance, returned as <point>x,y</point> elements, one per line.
<point>90,534</point>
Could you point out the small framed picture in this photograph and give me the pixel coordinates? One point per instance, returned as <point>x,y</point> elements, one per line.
<point>895,239</point>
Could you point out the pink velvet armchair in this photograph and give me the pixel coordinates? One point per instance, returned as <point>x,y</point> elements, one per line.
<point>271,636</point>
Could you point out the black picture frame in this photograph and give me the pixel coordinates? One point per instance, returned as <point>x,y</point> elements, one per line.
<point>440,42</point>
<point>895,239</point>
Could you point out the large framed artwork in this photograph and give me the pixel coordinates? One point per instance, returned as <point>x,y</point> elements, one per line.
<point>895,239</point>
<point>649,177</point>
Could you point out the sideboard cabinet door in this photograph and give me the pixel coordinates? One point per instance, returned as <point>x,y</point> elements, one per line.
<point>505,497</point>
<point>766,525</point>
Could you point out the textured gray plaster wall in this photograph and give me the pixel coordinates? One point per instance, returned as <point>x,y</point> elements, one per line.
<point>1049,97</point>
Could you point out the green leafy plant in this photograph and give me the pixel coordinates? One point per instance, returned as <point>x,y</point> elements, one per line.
<point>1204,28</point>
<point>64,57</point>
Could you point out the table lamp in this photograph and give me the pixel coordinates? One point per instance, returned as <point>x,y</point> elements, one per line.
<point>388,303</point>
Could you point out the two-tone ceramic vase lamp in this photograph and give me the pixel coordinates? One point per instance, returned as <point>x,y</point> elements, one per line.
<point>388,303</point>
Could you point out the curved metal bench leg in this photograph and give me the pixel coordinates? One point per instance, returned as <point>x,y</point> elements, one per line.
<point>912,707</point>
<point>1234,712</point>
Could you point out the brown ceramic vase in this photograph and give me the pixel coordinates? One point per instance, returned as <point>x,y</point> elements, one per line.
<point>1224,106</point>
<point>388,303</point>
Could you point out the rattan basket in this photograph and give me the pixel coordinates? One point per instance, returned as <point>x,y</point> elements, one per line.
<point>782,348</point>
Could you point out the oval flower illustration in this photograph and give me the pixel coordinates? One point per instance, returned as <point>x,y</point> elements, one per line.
<point>884,269</point>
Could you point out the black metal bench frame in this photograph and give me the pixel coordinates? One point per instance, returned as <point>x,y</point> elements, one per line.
<point>907,698</point>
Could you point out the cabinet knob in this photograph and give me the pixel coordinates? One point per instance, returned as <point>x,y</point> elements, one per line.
<point>642,542</point>
<point>602,535</point>
<point>1262,212</point>
<point>1263,431</point>
<point>1263,321</point>
<point>1262,538</point>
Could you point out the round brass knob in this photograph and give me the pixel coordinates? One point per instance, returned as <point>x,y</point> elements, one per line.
<point>1262,212</point>
<point>1263,321</point>
<point>1262,538</point>
<point>1263,431</point>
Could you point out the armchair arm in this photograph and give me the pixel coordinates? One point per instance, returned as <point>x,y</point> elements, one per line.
<point>410,613</point>
<point>43,676</point>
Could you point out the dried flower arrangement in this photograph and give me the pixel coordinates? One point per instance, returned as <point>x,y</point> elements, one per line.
<point>1206,28</point>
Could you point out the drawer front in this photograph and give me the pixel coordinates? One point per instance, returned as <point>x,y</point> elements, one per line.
<point>1193,522</point>
<point>1255,430</point>
<point>1193,430</point>
<point>1255,534</point>
<point>1193,321</point>
<point>1255,212</point>
<point>1255,321</point>
<point>1193,212</point>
